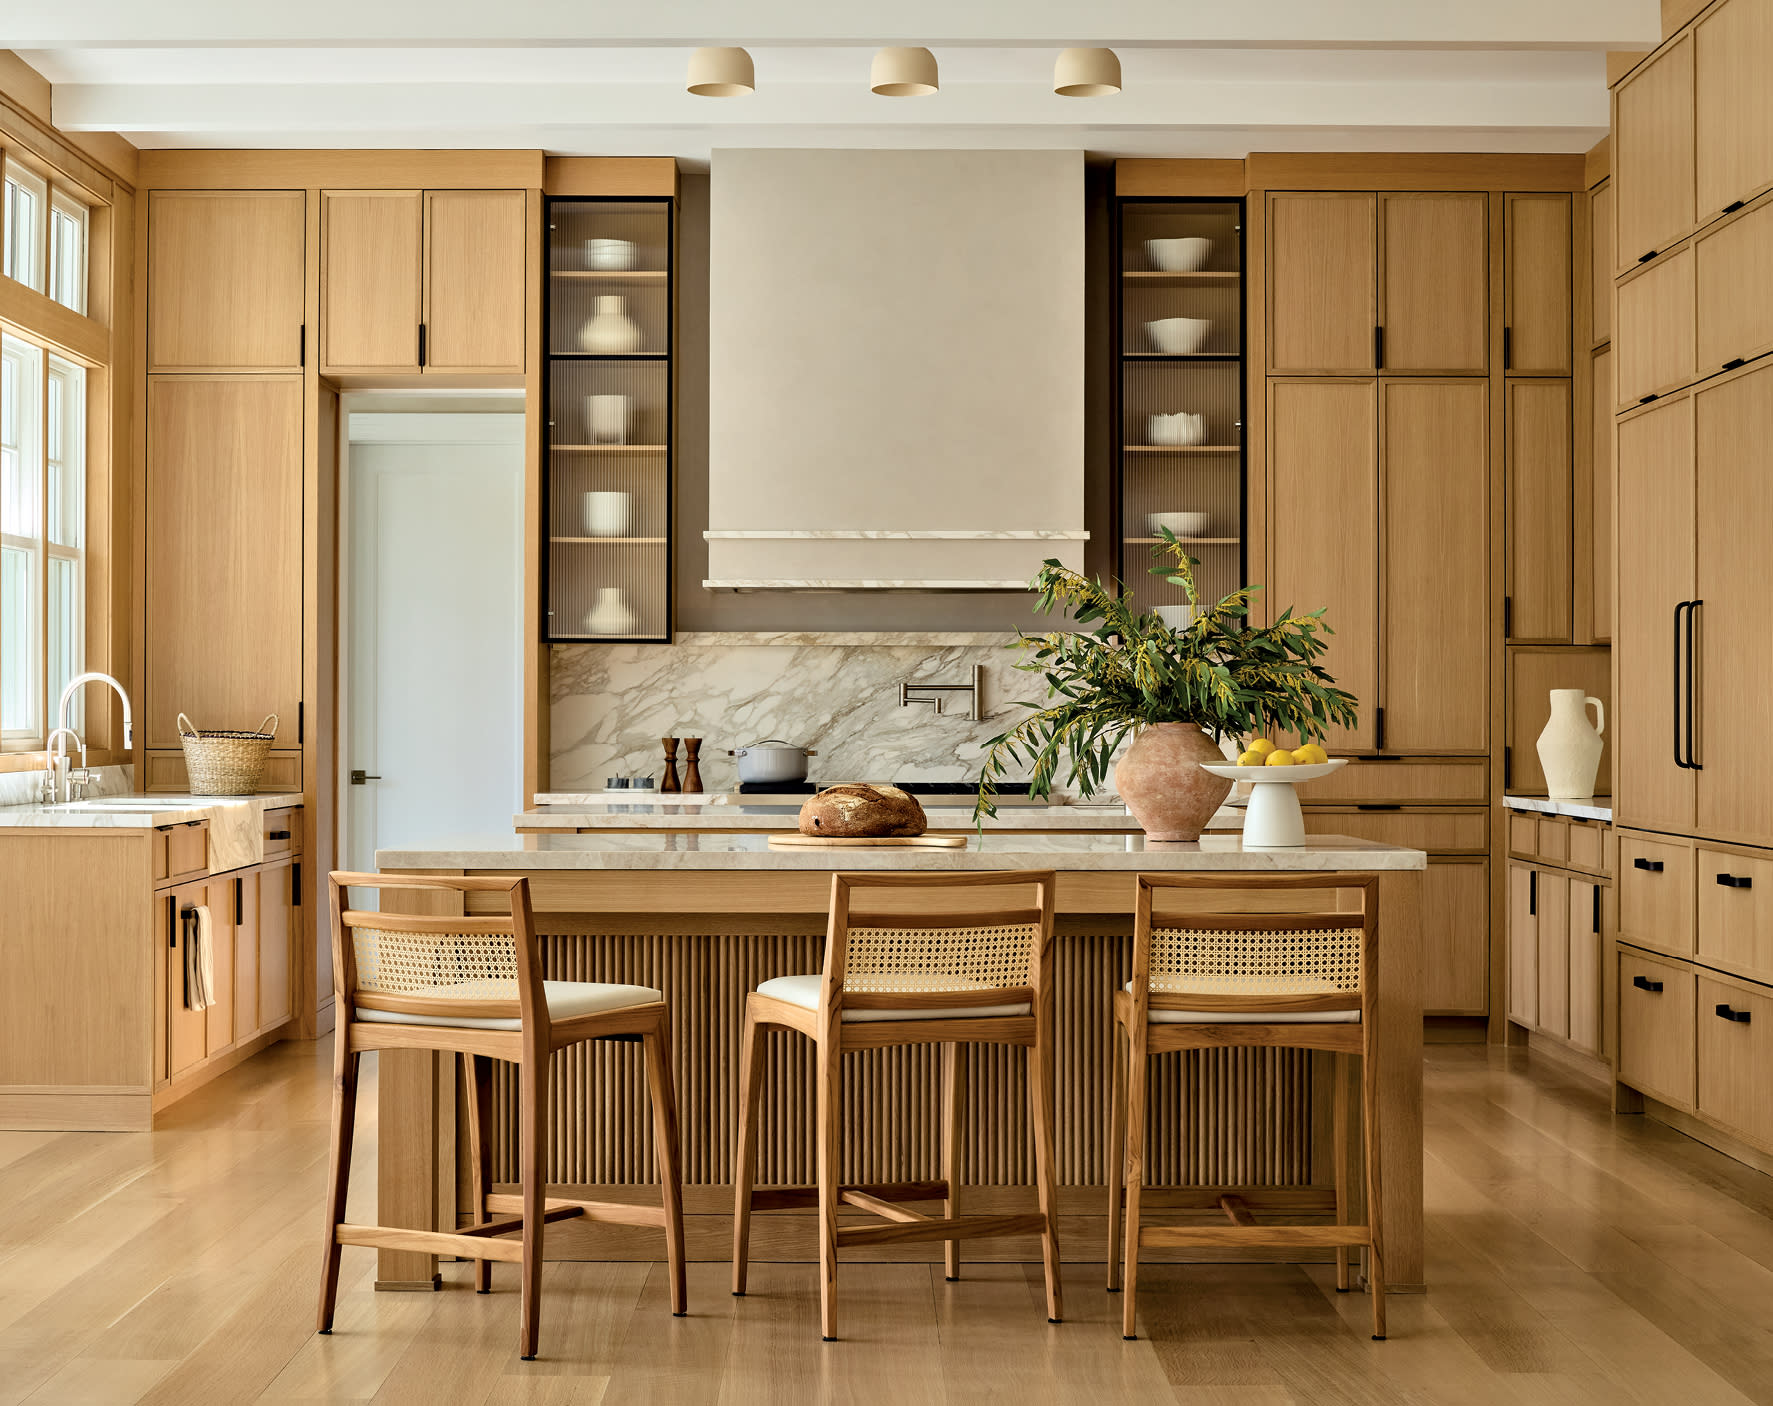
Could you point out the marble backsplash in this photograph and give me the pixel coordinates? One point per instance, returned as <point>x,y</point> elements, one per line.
<point>23,788</point>
<point>837,693</point>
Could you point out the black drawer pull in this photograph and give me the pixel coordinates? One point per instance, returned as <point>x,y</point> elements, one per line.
<point>1734,206</point>
<point>276,834</point>
<point>1736,881</point>
<point>1649,866</point>
<point>1379,805</point>
<point>1643,983</point>
<point>1740,1017</point>
<point>1645,258</point>
<point>1646,399</point>
<point>1734,362</point>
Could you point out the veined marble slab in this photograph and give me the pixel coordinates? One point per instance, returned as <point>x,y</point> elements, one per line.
<point>1597,808</point>
<point>1073,853</point>
<point>720,815</point>
<point>236,824</point>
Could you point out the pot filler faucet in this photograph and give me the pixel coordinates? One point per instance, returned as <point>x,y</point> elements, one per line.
<point>59,779</point>
<point>970,689</point>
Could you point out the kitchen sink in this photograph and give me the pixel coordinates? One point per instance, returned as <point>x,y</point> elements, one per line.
<point>141,803</point>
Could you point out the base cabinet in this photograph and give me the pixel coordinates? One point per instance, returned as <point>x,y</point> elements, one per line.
<point>1558,918</point>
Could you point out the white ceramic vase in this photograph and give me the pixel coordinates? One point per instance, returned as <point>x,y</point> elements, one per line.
<point>611,615</point>
<point>606,416</point>
<point>1570,749</point>
<point>608,514</point>
<point>610,332</point>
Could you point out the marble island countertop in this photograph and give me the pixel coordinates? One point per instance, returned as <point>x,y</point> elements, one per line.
<point>1594,808</point>
<point>1085,852</point>
<point>610,813</point>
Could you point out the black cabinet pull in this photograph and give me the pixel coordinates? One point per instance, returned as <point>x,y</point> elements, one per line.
<point>1507,617</point>
<point>1645,258</point>
<point>1693,763</point>
<point>1734,362</point>
<point>421,344</point>
<point>1646,399</point>
<point>277,834</point>
<point>1649,866</point>
<point>239,902</point>
<point>1507,767</point>
<point>1734,206</point>
<point>1675,715</point>
<point>295,884</point>
<point>172,922</point>
<point>1532,893</point>
<point>1643,983</point>
<point>301,721</point>
<point>1378,348</point>
<point>1596,891</point>
<point>1740,1017</point>
<point>1379,729</point>
<point>1735,881</point>
<point>1507,348</point>
<point>1379,805</point>
<point>302,347</point>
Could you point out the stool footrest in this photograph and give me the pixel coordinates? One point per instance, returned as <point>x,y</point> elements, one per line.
<point>1263,1200</point>
<point>429,1242</point>
<point>955,1228</point>
<point>506,1224</point>
<point>796,1198</point>
<point>604,1212</point>
<point>877,1206</point>
<point>1232,1236</point>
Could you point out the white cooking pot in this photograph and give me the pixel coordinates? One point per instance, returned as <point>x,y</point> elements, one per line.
<point>772,760</point>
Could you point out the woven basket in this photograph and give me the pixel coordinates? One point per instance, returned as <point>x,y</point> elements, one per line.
<point>226,763</point>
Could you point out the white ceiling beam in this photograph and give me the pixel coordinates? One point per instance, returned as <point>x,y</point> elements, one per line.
<point>1531,24</point>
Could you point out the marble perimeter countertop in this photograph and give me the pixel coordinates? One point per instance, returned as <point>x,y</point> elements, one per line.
<point>1595,808</point>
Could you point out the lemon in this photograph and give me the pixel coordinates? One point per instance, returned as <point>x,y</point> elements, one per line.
<point>1279,757</point>
<point>1310,754</point>
<point>1261,746</point>
<point>1250,758</point>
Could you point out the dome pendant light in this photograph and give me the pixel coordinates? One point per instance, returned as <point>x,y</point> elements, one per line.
<point>1086,73</point>
<point>903,73</point>
<point>721,73</point>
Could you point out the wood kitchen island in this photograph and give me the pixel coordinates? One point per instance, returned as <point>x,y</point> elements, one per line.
<point>707,917</point>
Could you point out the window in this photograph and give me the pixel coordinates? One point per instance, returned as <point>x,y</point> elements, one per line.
<point>42,536</point>
<point>27,196</point>
<point>67,250</point>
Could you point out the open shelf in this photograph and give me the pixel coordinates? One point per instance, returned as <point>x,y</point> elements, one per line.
<point>612,541</point>
<point>1182,448</point>
<point>615,275</point>
<point>1199,276</point>
<point>1183,356</point>
<point>610,448</point>
<point>1187,541</point>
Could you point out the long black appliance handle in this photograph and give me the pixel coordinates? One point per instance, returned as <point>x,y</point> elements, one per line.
<point>1693,764</point>
<point>1675,712</point>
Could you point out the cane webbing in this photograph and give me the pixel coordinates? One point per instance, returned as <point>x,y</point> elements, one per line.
<point>1256,962</point>
<point>482,965</point>
<point>939,959</point>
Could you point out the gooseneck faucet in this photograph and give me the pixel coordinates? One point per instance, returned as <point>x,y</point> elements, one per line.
<point>58,781</point>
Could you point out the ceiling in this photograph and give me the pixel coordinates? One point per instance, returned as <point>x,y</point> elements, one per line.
<point>1202,77</point>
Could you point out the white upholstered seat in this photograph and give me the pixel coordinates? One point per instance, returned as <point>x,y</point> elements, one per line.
<point>1158,1017</point>
<point>804,991</point>
<point>565,1000</point>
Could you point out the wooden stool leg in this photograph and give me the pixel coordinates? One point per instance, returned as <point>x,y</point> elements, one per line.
<point>533,1163</point>
<point>664,1100</point>
<point>338,1173</point>
<point>745,1154</point>
<point>1117,1153</point>
<point>953,1117</point>
<point>1375,1193</point>
<point>1046,1157</point>
<point>830,1057</point>
<point>1339,1077</point>
<point>477,1074</point>
<point>1137,1073</point>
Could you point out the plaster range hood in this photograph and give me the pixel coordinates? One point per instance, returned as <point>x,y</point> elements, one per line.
<point>896,369</point>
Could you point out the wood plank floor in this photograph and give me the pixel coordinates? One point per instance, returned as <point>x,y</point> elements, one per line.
<point>1573,1257</point>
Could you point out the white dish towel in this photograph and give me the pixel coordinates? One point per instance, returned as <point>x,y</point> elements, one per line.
<point>199,965</point>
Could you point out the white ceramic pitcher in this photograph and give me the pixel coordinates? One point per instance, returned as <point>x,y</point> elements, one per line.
<point>1569,749</point>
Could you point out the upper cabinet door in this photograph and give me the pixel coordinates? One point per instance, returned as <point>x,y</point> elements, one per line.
<point>1536,319</point>
<point>1656,329</point>
<point>1653,155</point>
<point>371,243</point>
<point>1322,299</point>
<point>1733,115</point>
<point>225,279</point>
<point>1600,268</point>
<point>1434,278</point>
<point>1435,471</point>
<point>1733,289</point>
<point>1601,495</point>
<point>475,273</point>
<point>1541,538</point>
<point>1322,442</point>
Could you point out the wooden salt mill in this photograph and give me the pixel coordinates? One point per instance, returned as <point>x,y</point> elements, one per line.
<point>670,780</point>
<point>692,776</point>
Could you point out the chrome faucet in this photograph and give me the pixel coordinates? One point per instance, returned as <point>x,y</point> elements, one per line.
<point>58,780</point>
<point>970,689</point>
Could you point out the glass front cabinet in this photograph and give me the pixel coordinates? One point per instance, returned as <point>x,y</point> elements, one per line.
<point>609,420</point>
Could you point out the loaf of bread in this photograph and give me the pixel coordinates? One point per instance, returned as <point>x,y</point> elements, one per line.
<point>858,811</point>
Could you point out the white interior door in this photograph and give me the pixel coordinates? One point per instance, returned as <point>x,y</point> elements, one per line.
<point>433,609</point>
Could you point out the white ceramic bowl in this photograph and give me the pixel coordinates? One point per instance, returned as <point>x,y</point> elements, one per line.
<point>1295,773</point>
<point>608,514</point>
<point>1176,335</point>
<point>610,255</point>
<point>1178,255</point>
<point>1179,428</point>
<point>1182,524</point>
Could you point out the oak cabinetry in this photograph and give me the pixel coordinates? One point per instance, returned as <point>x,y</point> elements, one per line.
<point>1734,1025</point>
<point>1733,105</point>
<point>417,281</point>
<point>1600,263</point>
<point>1656,1026</point>
<point>1735,911</point>
<point>1733,289</point>
<point>1656,330</point>
<point>279,898</point>
<point>1656,893</point>
<point>225,280</point>
<point>224,554</point>
<point>1558,919</point>
<point>1540,555</point>
<point>1434,303</point>
<point>1653,155</point>
<point>1523,944</point>
<point>1602,489</point>
<point>1536,318</point>
<point>1532,672</point>
<point>1322,281</point>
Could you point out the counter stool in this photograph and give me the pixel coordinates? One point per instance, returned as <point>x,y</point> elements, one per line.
<point>474,985</point>
<point>1207,980</point>
<point>914,977</point>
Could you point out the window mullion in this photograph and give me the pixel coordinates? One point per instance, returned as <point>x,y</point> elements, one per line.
<point>42,641</point>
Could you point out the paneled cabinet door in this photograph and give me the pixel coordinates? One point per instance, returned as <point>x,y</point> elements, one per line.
<point>245,895</point>
<point>1322,298</point>
<point>1733,109</point>
<point>1552,910</point>
<point>1434,282</point>
<point>1600,268</point>
<point>1654,463</point>
<point>1584,927</point>
<point>475,266</point>
<point>371,280</point>
<point>1601,489</point>
<point>1536,317</point>
<point>1733,289</point>
<point>276,924</point>
<point>218,897</point>
<point>1456,936</point>
<point>1653,155</point>
<point>1733,427</point>
<point>226,272</point>
<point>1523,944</point>
<point>1656,330</point>
<point>224,554</point>
<point>1541,489</point>
<point>1322,439</point>
<point>1435,471</point>
<point>187,1030</point>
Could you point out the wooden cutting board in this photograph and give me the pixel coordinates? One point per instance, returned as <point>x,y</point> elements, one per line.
<point>868,842</point>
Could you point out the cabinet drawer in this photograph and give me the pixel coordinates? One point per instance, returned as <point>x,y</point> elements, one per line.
<point>1733,276</point>
<point>1554,839</point>
<point>1588,845</point>
<point>1654,350</point>
<point>1656,1026</point>
<point>1523,835</point>
<point>1437,831</point>
<point>1421,783</point>
<point>1735,911</point>
<point>180,851</point>
<point>1735,1055</point>
<point>1656,894</point>
<point>283,832</point>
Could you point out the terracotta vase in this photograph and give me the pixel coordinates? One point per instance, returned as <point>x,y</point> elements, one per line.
<point>1161,782</point>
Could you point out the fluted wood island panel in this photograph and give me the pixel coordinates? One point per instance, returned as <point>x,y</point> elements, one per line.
<point>706,919</point>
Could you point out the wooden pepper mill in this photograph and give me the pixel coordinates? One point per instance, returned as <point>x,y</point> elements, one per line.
<point>669,783</point>
<point>692,776</point>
